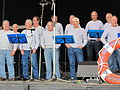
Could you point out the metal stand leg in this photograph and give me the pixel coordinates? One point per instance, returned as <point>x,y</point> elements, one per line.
<point>54,57</point>
<point>42,3</point>
<point>40,63</point>
<point>19,64</point>
<point>31,76</point>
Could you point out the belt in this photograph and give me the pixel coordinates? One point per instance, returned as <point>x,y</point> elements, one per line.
<point>92,40</point>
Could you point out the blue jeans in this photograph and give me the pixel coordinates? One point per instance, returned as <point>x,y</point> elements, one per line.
<point>25,64</point>
<point>5,55</point>
<point>48,54</point>
<point>114,61</point>
<point>73,54</point>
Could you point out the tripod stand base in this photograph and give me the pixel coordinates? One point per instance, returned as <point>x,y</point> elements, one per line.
<point>58,79</point>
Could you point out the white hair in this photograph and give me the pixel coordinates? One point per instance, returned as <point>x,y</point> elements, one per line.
<point>6,21</point>
<point>29,20</point>
<point>76,19</point>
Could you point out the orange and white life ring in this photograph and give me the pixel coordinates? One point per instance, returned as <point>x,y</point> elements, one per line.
<point>103,68</point>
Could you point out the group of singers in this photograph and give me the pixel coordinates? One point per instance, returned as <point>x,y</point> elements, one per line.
<point>44,37</point>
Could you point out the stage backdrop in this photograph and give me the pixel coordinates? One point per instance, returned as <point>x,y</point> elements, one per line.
<point>17,11</point>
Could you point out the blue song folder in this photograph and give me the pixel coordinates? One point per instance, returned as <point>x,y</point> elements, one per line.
<point>118,35</point>
<point>17,38</point>
<point>95,33</point>
<point>61,39</point>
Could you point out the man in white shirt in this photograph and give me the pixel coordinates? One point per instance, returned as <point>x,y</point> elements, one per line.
<point>70,25</point>
<point>29,50</point>
<point>7,51</point>
<point>17,55</point>
<point>15,28</point>
<point>39,30</point>
<point>94,44</point>
<point>108,19</point>
<point>58,26</point>
<point>112,33</point>
<point>48,45</point>
<point>75,51</point>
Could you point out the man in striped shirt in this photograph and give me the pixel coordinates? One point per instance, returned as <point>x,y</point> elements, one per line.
<point>70,25</point>
<point>7,51</point>
<point>58,26</point>
<point>112,33</point>
<point>74,50</point>
<point>94,44</point>
<point>108,19</point>
<point>47,43</point>
<point>28,50</point>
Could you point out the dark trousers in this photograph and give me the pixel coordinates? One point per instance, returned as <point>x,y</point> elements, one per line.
<point>93,48</point>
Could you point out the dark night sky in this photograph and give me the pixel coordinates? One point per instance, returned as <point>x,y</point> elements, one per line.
<point>17,11</point>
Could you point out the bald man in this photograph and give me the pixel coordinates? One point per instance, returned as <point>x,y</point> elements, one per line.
<point>47,45</point>
<point>70,25</point>
<point>94,44</point>
<point>108,19</point>
<point>15,28</point>
<point>7,51</point>
<point>112,33</point>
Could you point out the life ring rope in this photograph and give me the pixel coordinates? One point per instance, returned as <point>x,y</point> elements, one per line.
<point>103,69</point>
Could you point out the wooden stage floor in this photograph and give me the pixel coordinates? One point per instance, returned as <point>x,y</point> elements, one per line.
<point>55,85</point>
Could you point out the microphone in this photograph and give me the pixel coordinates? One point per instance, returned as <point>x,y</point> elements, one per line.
<point>44,2</point>
<point>32,31</point>
<point>53,2</point>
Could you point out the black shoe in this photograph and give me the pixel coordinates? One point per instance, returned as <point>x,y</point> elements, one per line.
<point>12,79</point>
<point>42,79</point>
<point>2,79</point>
<point>24,79</point>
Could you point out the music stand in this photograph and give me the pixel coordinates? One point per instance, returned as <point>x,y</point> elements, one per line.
<point>17,38</point>
<point>62,39</point>
<point>118,35</point>
<point>95,33</point>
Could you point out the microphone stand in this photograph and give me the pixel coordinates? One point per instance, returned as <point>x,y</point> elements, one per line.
<point>3,15</point>
<point>54,70</point>
<point>42,3</point>
<point>31,76</point>
<point>54,56</point>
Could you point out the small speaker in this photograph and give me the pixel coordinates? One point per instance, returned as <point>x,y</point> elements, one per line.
<point>87,71</point>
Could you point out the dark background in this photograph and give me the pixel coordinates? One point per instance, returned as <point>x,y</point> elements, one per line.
<point>17,11</point>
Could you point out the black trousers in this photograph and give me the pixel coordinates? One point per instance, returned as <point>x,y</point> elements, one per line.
<point>93,48</point>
